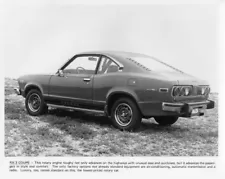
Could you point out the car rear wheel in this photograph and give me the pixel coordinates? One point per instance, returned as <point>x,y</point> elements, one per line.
<point>125,114</point>
<point>35,104</point>
<point>166,120</point>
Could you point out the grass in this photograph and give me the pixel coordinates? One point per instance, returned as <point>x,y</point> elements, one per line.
<point>66,133</point>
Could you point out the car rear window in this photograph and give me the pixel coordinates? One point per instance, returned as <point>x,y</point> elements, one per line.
<point>152,64</point>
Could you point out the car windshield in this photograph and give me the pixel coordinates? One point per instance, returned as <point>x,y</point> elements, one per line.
<point>154,64</point>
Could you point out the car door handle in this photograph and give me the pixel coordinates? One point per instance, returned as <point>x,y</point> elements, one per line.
<point>87,79</point>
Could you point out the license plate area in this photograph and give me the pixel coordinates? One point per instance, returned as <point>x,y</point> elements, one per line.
<point>197,111</point>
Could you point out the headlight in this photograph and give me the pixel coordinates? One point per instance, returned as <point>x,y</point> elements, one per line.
<point>182,90</point>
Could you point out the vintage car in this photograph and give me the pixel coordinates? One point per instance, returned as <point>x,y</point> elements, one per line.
<point>123,86</point>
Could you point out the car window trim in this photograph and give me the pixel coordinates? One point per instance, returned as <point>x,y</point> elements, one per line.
<point>80,55</point>
<point>90,54</point>
<point>99,62</point>
<point>109,59</point>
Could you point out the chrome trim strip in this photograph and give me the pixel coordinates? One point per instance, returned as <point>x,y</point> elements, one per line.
<point>189,103</point>
<point>57,96</point>
<point>173,104</point>
<point>151,89</point>
<point>199,103</point>
<point>75,108</point>
<point>95,101</point>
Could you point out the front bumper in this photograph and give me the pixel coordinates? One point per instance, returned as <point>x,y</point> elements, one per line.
<point>188,109</point>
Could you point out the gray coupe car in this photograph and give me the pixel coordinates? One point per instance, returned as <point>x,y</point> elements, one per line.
<point>125,87</point>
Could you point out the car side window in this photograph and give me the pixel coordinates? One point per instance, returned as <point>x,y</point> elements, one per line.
<point>107,66</point>
<point>82,65</point>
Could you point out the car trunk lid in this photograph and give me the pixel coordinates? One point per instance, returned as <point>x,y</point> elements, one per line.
<point>182,78</point>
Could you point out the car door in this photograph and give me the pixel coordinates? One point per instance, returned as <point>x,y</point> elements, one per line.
<point>105,79</point>
<point>73,86</point>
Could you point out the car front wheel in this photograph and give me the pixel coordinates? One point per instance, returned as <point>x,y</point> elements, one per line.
<point>166,120</point>
<point>125,114</point>
<point>35,104</point>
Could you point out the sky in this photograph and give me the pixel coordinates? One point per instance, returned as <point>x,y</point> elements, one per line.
<point>40,38</point>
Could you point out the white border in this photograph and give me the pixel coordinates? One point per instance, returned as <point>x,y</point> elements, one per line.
<point>178,173</point>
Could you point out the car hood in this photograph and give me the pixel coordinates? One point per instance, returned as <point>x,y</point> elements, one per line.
<point>182,78</point>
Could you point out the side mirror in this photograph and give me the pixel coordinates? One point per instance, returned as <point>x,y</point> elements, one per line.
<point>60,73</point>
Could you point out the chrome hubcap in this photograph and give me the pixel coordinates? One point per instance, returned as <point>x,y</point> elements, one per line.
<point>34,102</point>
<point>123,114</point>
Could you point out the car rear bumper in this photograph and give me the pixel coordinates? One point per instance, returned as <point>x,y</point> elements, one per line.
<point>186,109</point>
<point>182,109</point>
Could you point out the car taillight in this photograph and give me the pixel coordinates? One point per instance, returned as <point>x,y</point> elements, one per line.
<point>208,90</point>
<point>187,90</point>
<point>182,90</point>
<point>205,90</point>
<point>176,91</point>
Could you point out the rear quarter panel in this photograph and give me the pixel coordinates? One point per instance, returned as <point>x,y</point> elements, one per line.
<point>142,87</point>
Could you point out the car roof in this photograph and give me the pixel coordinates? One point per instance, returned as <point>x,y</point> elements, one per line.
<point>118,53</point>
<point>122,57</point>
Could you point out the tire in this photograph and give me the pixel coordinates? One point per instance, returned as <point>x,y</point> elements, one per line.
<point>166,120</point>
<point>35,104</point>
<point>125,114</point>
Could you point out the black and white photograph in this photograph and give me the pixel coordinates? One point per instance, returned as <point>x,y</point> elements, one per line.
<point>111,80</point>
